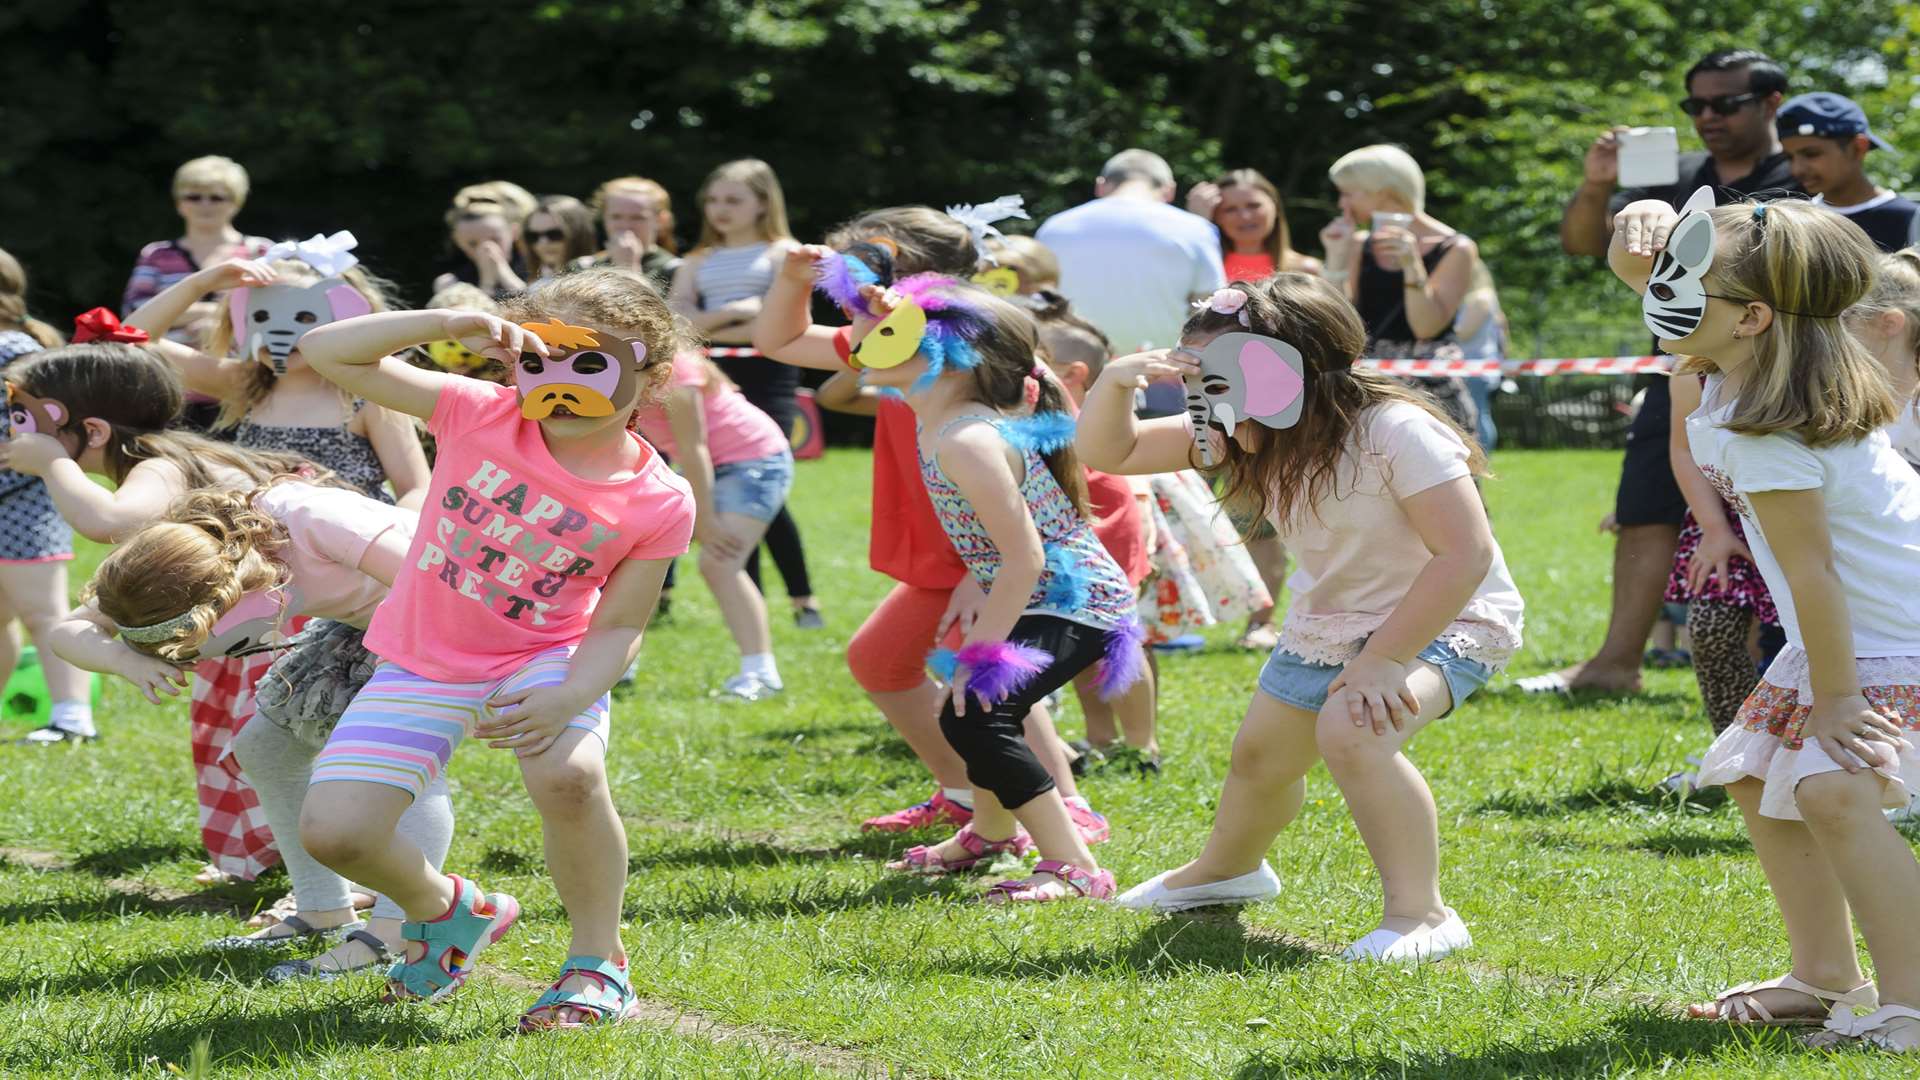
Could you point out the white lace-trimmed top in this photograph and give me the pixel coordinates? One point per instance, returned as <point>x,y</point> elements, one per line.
<point>1359,552</point>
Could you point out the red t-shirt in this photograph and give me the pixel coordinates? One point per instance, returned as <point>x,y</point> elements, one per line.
<point>1119,523</point>
<point>908,544</point>
<point>1255,267</point>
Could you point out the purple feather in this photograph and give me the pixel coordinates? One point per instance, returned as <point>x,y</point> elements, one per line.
<point>1125,660</point>
<point>840,278</point>
<point>998,668</point>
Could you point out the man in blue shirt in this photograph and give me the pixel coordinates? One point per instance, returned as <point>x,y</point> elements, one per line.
<point>1827,141</point>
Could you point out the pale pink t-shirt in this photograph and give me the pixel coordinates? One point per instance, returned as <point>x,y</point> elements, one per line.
<point>1359,552</point>
<point>512,548</point>
<point>328,532</point>
<point>736,429</point>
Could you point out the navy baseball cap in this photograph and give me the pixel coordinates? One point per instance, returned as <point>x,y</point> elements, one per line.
<point>1828,115</point>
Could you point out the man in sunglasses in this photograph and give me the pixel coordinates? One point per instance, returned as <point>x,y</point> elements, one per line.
<point>1732,96</point>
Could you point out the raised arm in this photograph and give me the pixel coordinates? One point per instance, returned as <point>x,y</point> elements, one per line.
<point>1641,233</point>
<point>785,330</point>
<point>216,376</point>
<point>94,512</point>
<point>1584,227</point>
<point>1432,305</point>
<point>1110,438</point>
<point>356,354</point>
<point>844,394</point>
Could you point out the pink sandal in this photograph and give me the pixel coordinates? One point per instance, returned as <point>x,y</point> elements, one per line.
<point>1091,885</point>
<point>922,859</point>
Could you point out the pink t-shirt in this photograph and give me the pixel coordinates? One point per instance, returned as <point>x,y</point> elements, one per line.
<point>328,532</point>
<point>736,429</point>
<point>512,548</point>
<point>1359,552</point>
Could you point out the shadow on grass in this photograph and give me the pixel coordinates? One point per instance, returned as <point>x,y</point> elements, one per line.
<point>694,903</point>
<point>1602,794</point>
<point>1641,1038</point>
<point>1691,845</point>
<point>726,852</point>
<point>96,972</point>
<point>1585,700</point>
<point>1180,945</point>
<point>242,898</point>
<point>312,1029</point>
<point>133,856</point>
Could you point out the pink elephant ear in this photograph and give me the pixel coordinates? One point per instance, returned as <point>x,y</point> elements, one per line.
<point>1272,381</point>
<point>237,304</point>
<point>347,303</point>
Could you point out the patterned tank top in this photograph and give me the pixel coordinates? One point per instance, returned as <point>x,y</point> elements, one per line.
<point>350,455</point>
<point>1081,582</point>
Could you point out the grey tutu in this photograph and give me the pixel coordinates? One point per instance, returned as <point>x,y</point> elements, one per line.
<point>310,685</point>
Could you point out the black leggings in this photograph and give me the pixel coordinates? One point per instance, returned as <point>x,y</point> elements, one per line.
<point>774,396</point>
<point>992,741</point>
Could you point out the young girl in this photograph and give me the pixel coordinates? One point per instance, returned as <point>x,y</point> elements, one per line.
<point>226,574</point>
<point>1788,432</point>
<point>100,408</point>
<point>1012,500</point>
<point>1245,206</point>
<point>523,598</point>
<point>35,543</point>
<point>268,393</point>
<point>935,596</point>
<point>483,228</point>
<point>636,216</point>
<point>719,289</point>
<point>559,235</point>
<point>1410,609</point>
<point>1887,322</point>
<point>740,467</point>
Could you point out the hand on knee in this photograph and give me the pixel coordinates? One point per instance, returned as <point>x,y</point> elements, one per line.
<point>1837,800</point>
<point>1346,746</point>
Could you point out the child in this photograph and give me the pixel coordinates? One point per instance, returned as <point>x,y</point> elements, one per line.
<point>934,595</point>
<point>740,468</point>
<point>226,574</point>
<point>35,542</point>
<point>1027,266</point>
<point>1788,433</point>
<point>1826,139</point>
<point>483,228</point>
<point>1012,500</point>
<point>1410,608</point>
<point>549,530</point>
<point>636,215</point>
<point>268,393</point>
<point>1887,322</point>
<point>719,289</point>
<point>101,408</point>
<point>559,236</point>
<point>455,357</point>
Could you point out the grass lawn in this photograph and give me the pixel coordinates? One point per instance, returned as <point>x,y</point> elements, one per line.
<point>769,941</point>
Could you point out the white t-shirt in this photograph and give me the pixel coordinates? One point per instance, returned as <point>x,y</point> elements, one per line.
<point>1131,266</point>
<point>1873,515</point>
<point>1359,551</point>
<point>1905,433</point>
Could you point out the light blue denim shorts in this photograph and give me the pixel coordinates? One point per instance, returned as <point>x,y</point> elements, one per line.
<point>757,487</point>
<point>1303,684</point>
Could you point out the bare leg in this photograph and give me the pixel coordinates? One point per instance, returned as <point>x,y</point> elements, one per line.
<point>741,605</point>
<point>37,593</point>
<point>1877,872</point>
<point>1264,789</point>
<point>1642,559</point>
<point>1054,754</point>
<point>586,845</point>
<point>350,827</point>
<point>915,714</point>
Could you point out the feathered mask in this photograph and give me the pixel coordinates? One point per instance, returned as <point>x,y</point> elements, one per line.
<point>931,319</point>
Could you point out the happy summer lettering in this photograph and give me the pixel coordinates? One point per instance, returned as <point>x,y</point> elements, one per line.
<point>500,558</point>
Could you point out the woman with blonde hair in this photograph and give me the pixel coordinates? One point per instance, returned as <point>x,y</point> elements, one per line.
<point>483,223</point>
<point>208,193</point>
<point>1247,209</point>
<point>636,214</point>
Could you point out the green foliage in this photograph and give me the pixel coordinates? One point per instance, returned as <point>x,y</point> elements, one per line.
<point>367,116</point>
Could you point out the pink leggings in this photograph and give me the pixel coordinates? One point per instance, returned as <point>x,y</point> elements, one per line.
<point>888,654</point>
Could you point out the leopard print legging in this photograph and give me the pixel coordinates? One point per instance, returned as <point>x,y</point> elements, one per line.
<point>1721,663</point>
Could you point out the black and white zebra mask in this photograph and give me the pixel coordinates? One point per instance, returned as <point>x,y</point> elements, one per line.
<point>1676,296</point>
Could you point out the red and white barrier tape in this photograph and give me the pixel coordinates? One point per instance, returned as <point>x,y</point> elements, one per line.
<point>1572,365</point>
<point>722,352</point>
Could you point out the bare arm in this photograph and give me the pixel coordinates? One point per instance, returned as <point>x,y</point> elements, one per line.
<point>1452,523</point>
<point>1110,438</point>
<point>1642,233</point>
<point>785,329</point>
<point>396,442</point>
<point>1433,304</point>
<point>844,394</point>
<point>109,516</point>
<point>85,638</point>
<point>356,354</point>
<point>216,376</point>
<point>384,557</point>
<point>1585,226</point>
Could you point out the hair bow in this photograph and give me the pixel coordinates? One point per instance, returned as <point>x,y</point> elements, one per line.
<point>1227,301</point>
<point>330,256</point>
<point>979,219</point>
<point>103,325</point>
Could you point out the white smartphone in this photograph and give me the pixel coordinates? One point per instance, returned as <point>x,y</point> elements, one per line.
<point>1385,220</point>
<point>1649,157</point>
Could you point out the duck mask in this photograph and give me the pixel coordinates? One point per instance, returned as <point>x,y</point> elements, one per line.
<point>31,415</point>
<point>1676,296</point>
<point>586,372</point>
<point>273,318</point>
<point>1243,377</point>
<point>455,357</point>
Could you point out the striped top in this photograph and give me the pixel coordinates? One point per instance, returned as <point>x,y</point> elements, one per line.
<point>735,273</point>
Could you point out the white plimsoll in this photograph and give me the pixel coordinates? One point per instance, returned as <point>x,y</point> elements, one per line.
<point>1426,943</point>
<point>1153,894</point>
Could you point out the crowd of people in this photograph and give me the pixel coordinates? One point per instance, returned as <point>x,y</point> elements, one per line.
<point>363,534</point>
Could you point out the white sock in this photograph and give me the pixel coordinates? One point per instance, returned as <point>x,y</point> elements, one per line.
<point>73,716</point>
<point>761,666</point>
<point>959,796</point>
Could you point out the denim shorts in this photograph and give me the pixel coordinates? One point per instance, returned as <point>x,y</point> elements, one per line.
<point>1303,684</point>
<point>757,487</point>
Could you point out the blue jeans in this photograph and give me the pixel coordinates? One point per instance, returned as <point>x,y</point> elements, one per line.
<point>1303,684</point>
<point>757,487</point>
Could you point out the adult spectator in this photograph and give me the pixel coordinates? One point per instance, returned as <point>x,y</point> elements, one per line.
<point>1481,330</point>
<point>559,236</point>
<point>1732,97</point>
<point>208,193</point>
<point>1246,208</point>
<point>1407,271</point>
<point>484,223</point>
<point>636,214</point>
<point>1826,139</point>
<point>1130,262</point>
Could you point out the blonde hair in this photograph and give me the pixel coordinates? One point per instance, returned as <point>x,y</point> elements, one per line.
<point>13,305</point>
<point>260,380</point>
<point>1809,375</point>
<point>620,300</point>
<point>213,171</point>
<point>1032,260</point>
<point>212,548</point>
<point>1382,168</point>
<point>758,177</point>
<point>503,197</point>
<point>464,297</point>
<point>1896,287</point>
<point>641,187</point>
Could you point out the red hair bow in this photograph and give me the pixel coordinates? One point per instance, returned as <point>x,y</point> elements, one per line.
<point>103,325</point>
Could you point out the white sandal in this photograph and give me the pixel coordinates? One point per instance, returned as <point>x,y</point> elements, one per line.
<point>1875,1029</point>
<point>1738,1005</point>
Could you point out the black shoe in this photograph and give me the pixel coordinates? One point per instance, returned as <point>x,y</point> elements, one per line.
<point>52,736</point>
<point>808,618</point>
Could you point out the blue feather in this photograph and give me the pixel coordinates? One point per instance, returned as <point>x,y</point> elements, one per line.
<point>1042,433</point>
<point>943,662</point>
<point>1068,582</point>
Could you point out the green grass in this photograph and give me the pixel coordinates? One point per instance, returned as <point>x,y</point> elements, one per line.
<point>758,911</point>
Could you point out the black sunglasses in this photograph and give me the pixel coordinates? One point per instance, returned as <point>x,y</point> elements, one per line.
<point>553,236</point>
<point>1723,104</point>
<point>199,196</point>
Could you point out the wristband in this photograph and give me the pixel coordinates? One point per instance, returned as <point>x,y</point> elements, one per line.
<point>995,668</point>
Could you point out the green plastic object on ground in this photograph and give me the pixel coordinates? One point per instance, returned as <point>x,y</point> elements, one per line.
<point>26,700</point>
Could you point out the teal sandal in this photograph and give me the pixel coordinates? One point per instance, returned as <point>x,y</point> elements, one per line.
<point>610,999</point>
<point>474,921</point>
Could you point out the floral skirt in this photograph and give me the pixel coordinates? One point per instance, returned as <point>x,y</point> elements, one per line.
<point>1744,590</point>
<point>1202,573</point>
<point>1765,740</point>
